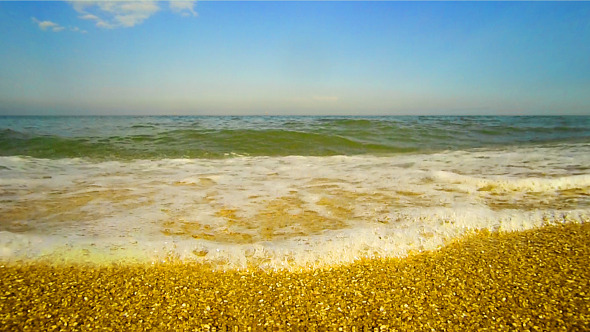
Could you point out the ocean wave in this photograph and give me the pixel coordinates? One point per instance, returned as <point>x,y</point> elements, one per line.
<point>285,211</point>
<point>129,138</point>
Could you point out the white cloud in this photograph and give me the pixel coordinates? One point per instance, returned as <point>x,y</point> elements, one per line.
<point>112,14</point>
<point>183,7</point>
<point>45,25</point>
<point>76,29</point>
<point>115,14</point>
<point>89,17</point>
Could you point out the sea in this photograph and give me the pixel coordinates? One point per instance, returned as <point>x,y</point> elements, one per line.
<point>280,192</point>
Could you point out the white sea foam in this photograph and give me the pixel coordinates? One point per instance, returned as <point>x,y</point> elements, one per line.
<point>281,212</point>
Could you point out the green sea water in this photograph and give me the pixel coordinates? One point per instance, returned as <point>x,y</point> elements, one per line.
<point>275,192</point>
<point>116,138</point>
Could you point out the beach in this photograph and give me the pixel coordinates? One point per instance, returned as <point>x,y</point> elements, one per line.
<point>530,280</point>
<point>191,165</point>
<point>400,223</point>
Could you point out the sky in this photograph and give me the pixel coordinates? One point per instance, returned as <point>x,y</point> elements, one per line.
<point>294,57</point>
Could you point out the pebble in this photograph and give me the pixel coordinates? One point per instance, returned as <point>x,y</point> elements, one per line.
<point>532,280</point>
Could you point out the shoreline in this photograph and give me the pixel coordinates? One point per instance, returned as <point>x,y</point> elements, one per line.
<point>536,279</point>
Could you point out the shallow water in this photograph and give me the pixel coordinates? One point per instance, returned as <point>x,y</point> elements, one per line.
<point>280,192</point>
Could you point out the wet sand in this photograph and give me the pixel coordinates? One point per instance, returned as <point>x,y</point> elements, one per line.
<point>533,280</point>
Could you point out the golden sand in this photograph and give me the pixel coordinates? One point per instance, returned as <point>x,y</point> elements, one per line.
<point>533,280</point>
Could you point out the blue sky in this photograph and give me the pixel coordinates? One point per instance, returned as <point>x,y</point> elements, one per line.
<point>274,57</point>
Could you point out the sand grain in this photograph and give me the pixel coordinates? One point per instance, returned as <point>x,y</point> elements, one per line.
<point>533,280</point>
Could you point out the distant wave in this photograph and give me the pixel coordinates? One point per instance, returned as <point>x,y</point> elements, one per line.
<point>129,138</point>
